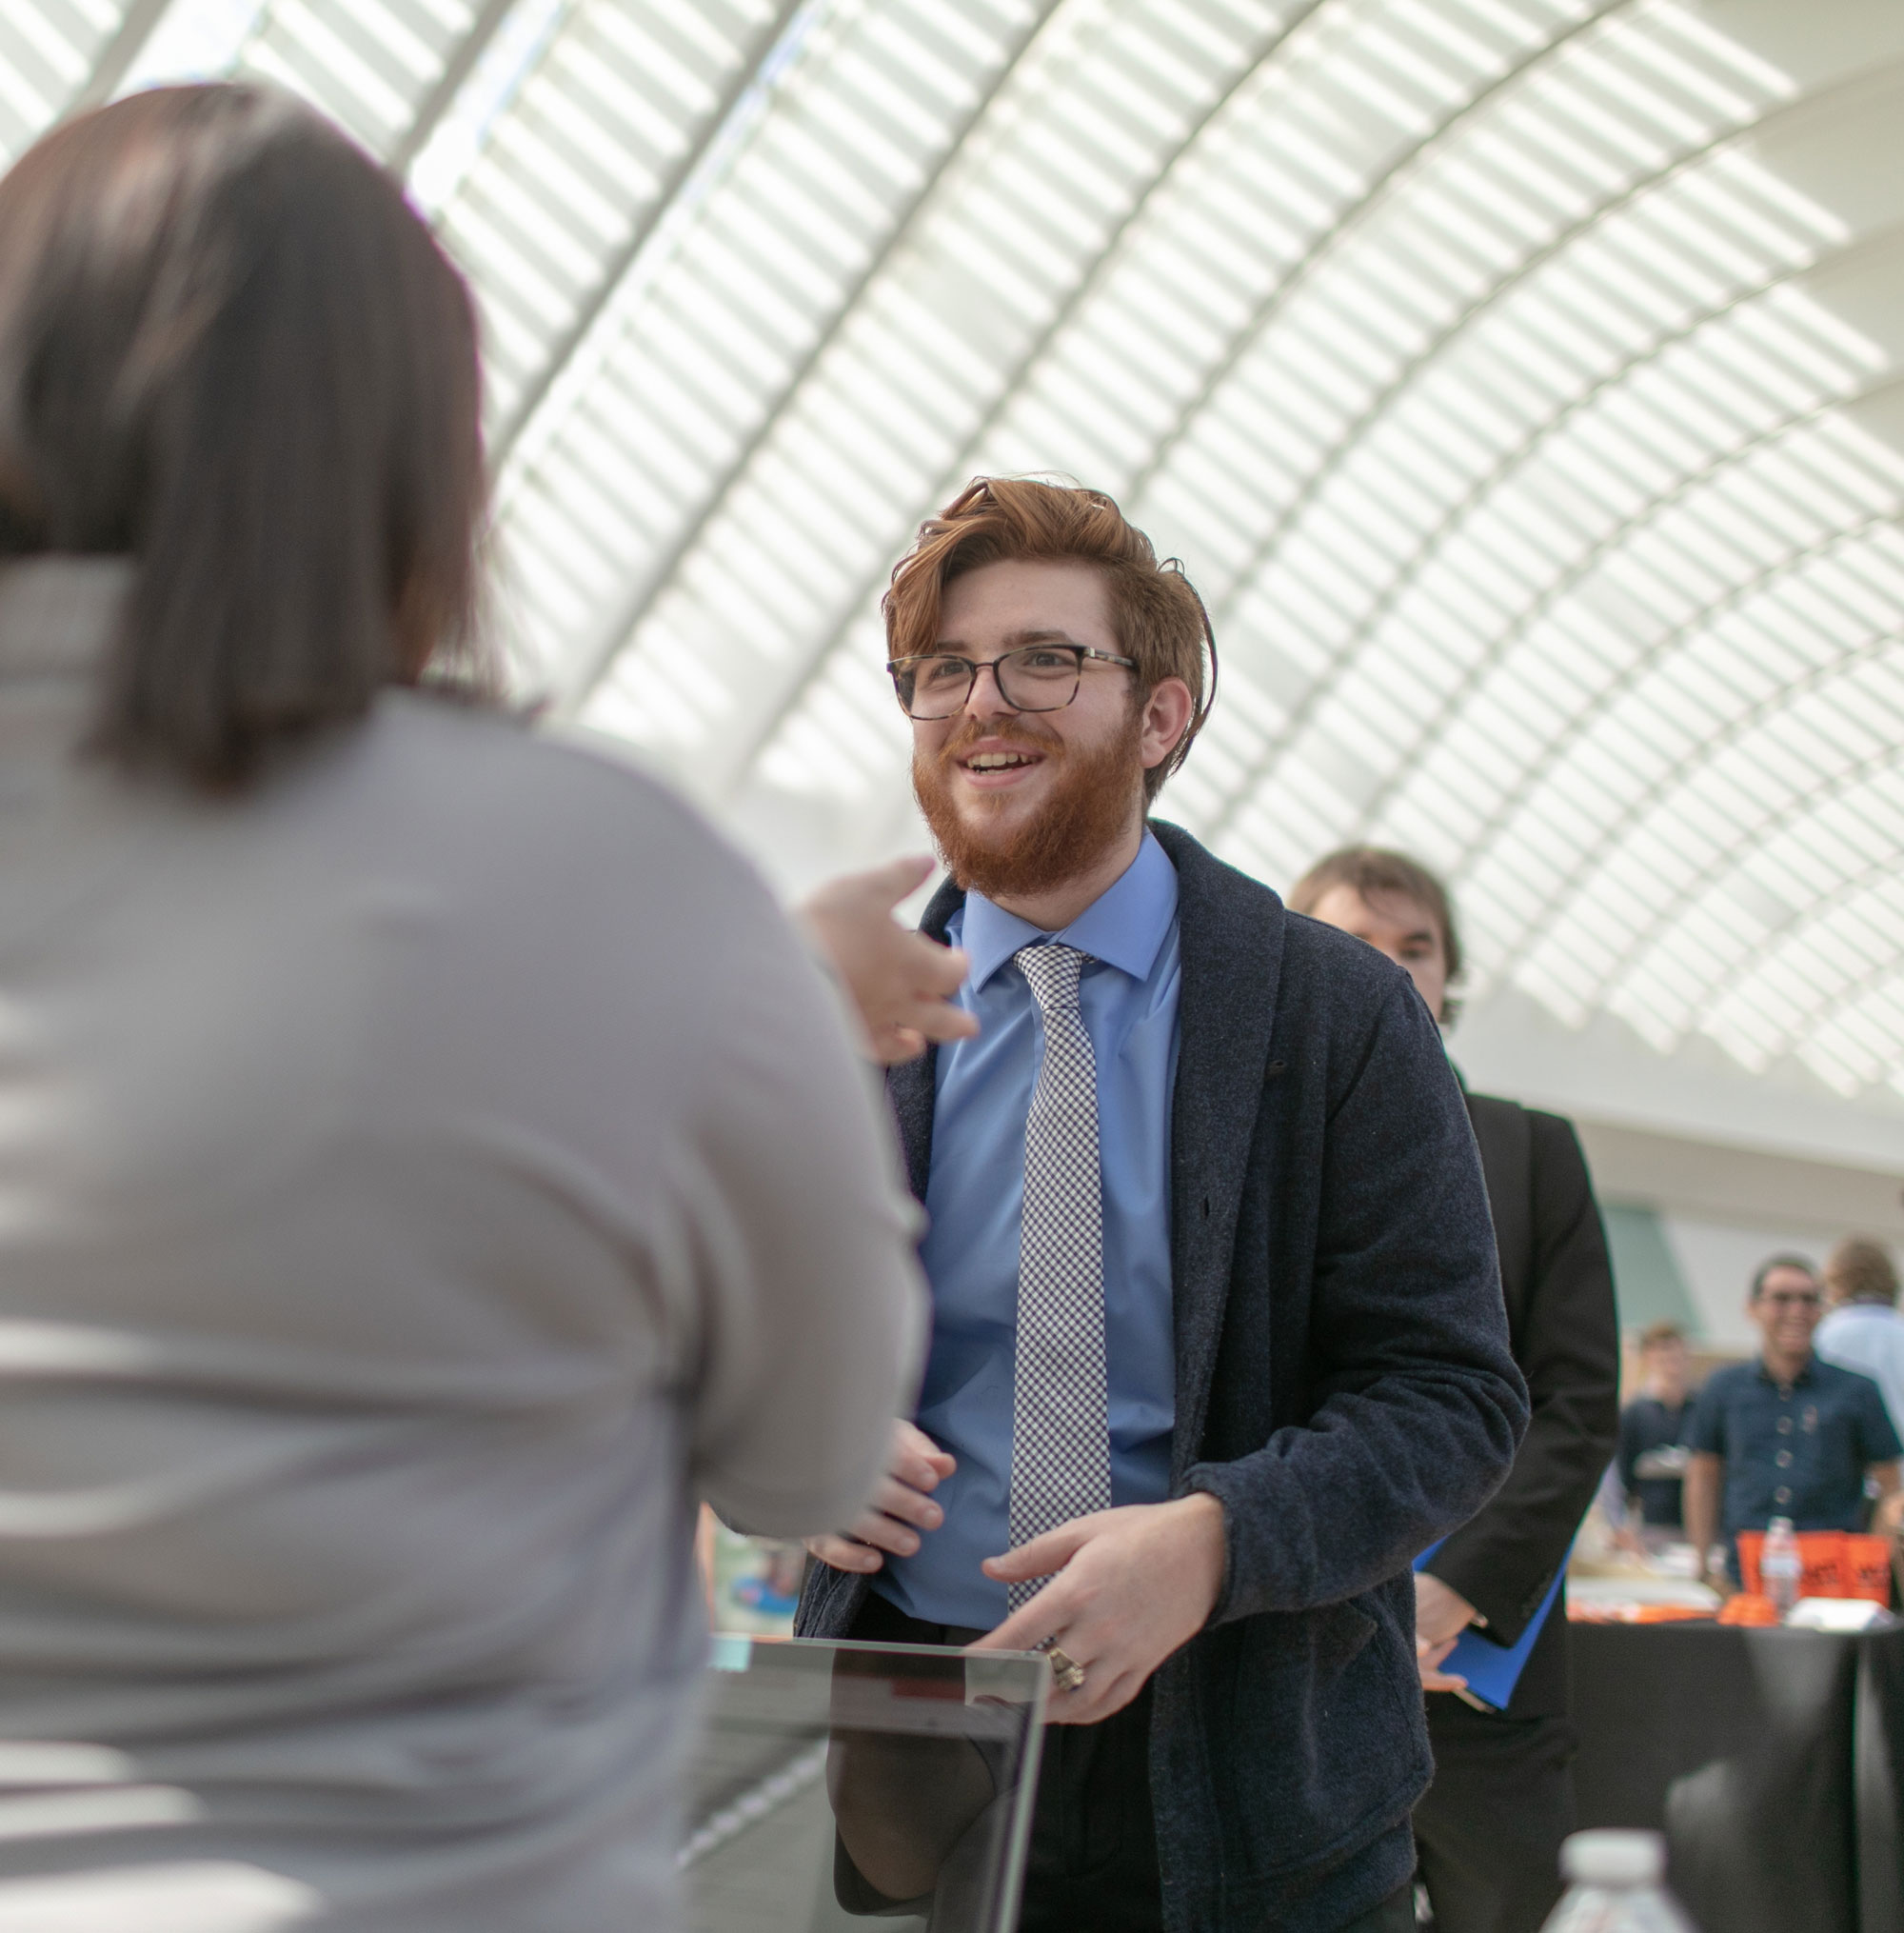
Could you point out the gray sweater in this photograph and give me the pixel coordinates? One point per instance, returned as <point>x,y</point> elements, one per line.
<point>417,1179</point>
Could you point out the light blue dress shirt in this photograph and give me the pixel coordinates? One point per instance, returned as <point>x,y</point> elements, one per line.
<point>975,1199</point>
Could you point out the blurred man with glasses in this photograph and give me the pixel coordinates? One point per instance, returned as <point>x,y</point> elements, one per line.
<point>1217,1336</point>
<point>1787,1435</point>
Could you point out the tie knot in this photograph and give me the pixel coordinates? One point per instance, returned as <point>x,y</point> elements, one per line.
<point>1051,971</point>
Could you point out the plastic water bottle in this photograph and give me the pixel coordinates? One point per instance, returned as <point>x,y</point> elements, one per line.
<point>1780,1567</point>
<point>1615,1885</point>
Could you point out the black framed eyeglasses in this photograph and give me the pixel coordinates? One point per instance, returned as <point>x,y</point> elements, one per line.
<point>1032,678</point>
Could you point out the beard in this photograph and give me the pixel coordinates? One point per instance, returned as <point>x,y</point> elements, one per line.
<point>1089,809</point>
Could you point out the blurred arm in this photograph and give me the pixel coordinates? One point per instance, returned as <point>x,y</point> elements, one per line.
<point>1701,1497</point>
<point>802,1239</point>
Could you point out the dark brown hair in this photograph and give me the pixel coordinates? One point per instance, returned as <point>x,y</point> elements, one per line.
<point>1798,1264</point>
<point>229,349</point>
<point>1156,613</point>
<point>1374,870</point>
<point>1859,1269</point>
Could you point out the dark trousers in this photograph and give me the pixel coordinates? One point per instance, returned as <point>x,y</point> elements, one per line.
<point>1091,1866</point>
<point>1488,1831</point>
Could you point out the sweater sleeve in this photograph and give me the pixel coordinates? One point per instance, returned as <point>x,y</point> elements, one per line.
<point>1415,1405</point>
<point>798,1240</point>
<point>1504,1559</point>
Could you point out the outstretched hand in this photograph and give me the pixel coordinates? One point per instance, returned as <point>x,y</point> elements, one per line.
<point>1128,1587</point>
<point>901,1509</point>
<point>900,981</point>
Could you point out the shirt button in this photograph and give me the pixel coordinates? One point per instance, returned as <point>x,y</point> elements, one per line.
<point>1781,1496</point>
<point>1784,1425</point>
<point>1784,1460</point>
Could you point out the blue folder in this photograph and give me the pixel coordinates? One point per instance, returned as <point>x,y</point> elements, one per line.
<point>1493,1670</point>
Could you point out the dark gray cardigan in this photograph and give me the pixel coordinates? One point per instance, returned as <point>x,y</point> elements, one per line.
<point>1344,1387</point>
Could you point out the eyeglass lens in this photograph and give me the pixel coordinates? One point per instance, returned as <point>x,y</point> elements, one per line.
<point>1035,678</point>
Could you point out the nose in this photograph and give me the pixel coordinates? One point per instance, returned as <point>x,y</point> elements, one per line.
<point>985,700</point>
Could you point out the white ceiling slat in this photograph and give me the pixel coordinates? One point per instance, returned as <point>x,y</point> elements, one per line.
<point>583,679</point>
<point>1514,376</point>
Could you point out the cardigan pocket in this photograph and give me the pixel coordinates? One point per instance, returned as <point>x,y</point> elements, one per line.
<point>1318,1697</point>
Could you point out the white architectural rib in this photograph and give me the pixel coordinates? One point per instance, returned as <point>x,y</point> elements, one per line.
<point>457,69</point>
<point>137,27</point>
<point>1428,552</point>
<point>615,270</point>
<point>597,663</point>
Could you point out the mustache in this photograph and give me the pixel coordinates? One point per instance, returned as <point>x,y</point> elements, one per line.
<point>1018,732</point>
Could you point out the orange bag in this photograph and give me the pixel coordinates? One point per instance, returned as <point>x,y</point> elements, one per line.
<point>1838,1564</point>
<point>1750,1544</point>
<point>1866,1569</point>
<point>1822,1554</point>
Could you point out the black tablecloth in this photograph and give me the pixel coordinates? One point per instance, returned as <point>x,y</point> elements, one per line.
<point>1771,1759</point>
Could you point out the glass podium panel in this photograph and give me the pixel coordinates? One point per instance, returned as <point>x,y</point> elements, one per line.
<point>885,1787</point>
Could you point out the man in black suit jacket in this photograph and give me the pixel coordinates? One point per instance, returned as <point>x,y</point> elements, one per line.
<point>1241,1732</point>
<point>1490,1828</point>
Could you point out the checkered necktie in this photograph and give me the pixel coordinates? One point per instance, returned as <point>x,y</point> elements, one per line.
<point>1061,1465</point>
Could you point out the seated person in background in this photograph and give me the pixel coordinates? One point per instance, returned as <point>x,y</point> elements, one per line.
<point>1488,1830</point>
<point>1863,1331</point>
<point>1786,1435</point>
<point>1652,1429</point>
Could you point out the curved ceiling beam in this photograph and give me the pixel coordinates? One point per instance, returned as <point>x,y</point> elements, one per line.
<point>747,72</point>
<point>123,47</point>
<point>1357,432</point>
<point>1436,728</point>
<point>1346,653</point>
<point>596,663</point>
<point>1890,759</point>
<point>1513,800</point>
<point>1849,889</point>
<point>1566,882</point>
<point>1013,380</point>
<point>457,68</point>
<point>1372,199</point>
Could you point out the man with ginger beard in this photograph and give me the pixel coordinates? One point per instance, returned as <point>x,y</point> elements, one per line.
<point>1217,1338</point>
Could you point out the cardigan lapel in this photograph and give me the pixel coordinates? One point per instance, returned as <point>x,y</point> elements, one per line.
<point>1230,932</point>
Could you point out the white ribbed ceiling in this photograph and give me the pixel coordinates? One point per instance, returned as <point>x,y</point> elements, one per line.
<point>1519,380</point>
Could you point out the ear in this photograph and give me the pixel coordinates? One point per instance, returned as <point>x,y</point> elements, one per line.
<point>1166,718</point>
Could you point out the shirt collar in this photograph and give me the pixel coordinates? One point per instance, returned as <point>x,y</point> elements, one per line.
<point>1799,1381</point>
<point>1124,926</point>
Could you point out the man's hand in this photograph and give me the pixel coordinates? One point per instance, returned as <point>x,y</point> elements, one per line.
<point>902,983</point>
<point>1127,1588</point>
<point>903,1500</point>
<point>1441,1614</point>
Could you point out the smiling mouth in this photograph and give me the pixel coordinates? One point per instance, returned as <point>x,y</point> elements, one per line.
<point>998,761</point>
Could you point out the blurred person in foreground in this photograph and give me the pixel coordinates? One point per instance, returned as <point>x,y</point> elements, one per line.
<point>1653,1451</point>
<point>1218,1340</point>
<point>429,1158</point>
<point>1786,1435</point>
<point>1488,1830</point>
<point>1862,1329</point>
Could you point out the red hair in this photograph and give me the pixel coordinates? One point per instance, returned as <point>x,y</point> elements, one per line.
<point>1158,617</point>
